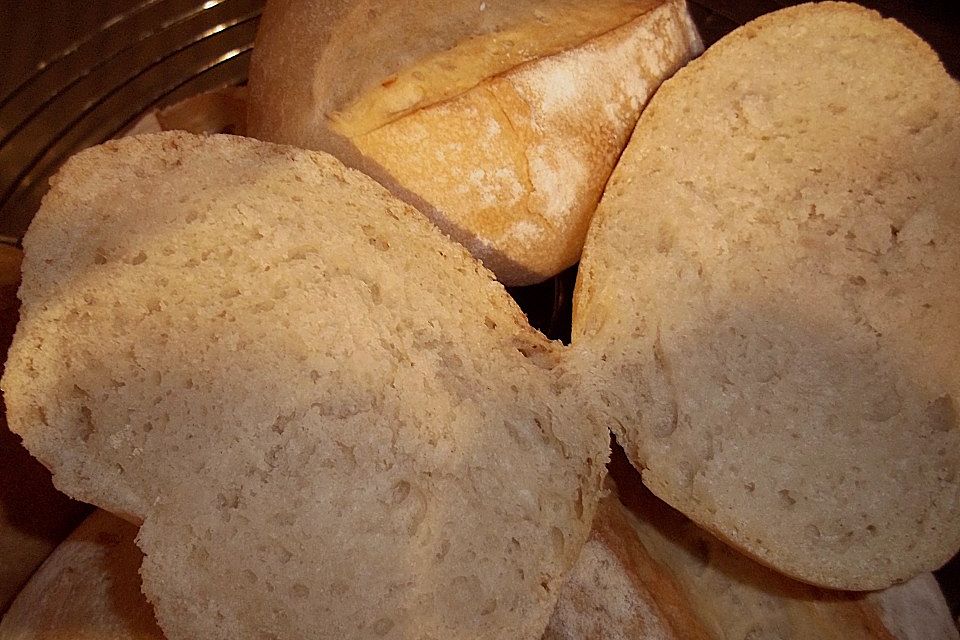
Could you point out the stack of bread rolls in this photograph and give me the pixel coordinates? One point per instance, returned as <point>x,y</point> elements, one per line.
<point>328,418</point>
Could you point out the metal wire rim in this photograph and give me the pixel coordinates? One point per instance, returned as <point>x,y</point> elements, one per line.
<point>200,45</point>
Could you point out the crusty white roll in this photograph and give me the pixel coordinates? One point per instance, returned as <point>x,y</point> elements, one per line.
<point>88,589</point>
<point>501,120</point>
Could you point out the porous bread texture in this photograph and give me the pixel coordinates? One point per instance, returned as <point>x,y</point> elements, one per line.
<point>511,164</point>
<point>332,420</point>
<point>769,297</point>
<point>649,572</point>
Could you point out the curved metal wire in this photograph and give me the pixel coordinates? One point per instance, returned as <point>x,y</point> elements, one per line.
<point>106,96</point>
<point>214,34</point>
<point>102,62</point>
<point>159,99</point>
<point>47,65</point>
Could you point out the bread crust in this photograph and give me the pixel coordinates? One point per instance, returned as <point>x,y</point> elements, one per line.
<point>87,589</point>
<point>649,572</point>
<point>511,164</point>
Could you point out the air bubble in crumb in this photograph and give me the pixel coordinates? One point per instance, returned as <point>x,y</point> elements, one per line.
<point>382,626</point>
<point>401,491</point>
<point>556,537</point>
<point>786,498</point>
<point>942,414</point>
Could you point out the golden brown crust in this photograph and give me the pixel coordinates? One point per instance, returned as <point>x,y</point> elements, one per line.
<point>512,164</point>
<point>618,590</point>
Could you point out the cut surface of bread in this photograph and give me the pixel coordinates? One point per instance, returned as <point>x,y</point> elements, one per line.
<point>649,572</point>
<point>501,121</point>
<point>769,296</point>
<point>304,390</point>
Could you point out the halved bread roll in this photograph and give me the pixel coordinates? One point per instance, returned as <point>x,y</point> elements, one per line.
<point>769,297</point>
<point>304,390</point>
<point>500,120</point>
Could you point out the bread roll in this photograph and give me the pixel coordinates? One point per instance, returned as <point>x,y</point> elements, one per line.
<point>645,573</point>
<point>648,572</point>
<point>304,390</point>
<point>499,120</point>
<point>88,589</point>
<point>770,296</point>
